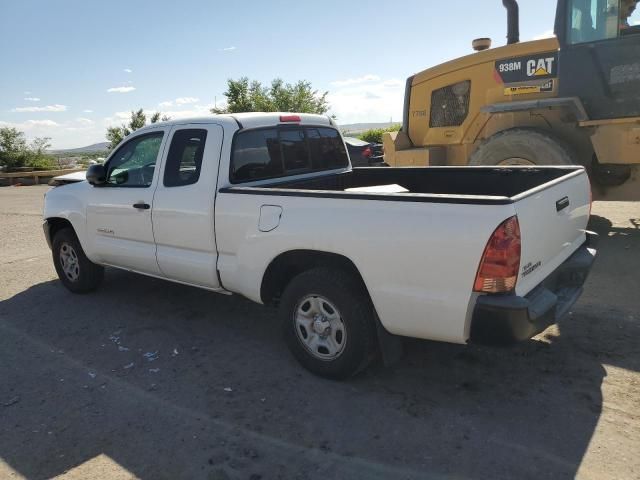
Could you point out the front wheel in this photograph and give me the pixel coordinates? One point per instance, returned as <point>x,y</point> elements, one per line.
<point>75,270</point>
<point>327,322</point>
<point>523,146</point>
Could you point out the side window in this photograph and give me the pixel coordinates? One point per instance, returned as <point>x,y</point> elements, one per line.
<point>595,20</point>
<point>256,155</point>
<point>629,18</point>
<point>133,164</point>
<point>592,20</point>
<point>184,160</point>
<point>450,105</point>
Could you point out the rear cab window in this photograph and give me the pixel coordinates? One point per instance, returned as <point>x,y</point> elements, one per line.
<point>273,152</point>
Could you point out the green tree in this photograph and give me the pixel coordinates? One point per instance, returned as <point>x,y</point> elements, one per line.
<point>244,95</point>
<point>375,135</point>
<point>15,153</point>
<point>13,147</point>
<point>138,120</point>
<point>38,156</point>
<point>40,145</point>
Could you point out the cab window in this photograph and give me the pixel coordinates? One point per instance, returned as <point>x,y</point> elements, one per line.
<point>133,164</point>
<point>278,152</point>
<point>295,150</point>
<point>184,160</point>
<point>327,148</point>
<point>595,20</point>
<point>256,155</point>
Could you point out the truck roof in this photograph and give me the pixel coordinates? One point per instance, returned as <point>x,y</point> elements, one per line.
<point>252,119</point>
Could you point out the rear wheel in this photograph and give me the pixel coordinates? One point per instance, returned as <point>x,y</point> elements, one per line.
<point>327,322</point>
<point>75,270</point>
<point>523,146</point>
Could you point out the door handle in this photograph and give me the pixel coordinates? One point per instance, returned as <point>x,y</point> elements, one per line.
<point>142,206</point>
<point>562,204</point>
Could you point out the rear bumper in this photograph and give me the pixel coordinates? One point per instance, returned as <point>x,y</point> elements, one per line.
<point>505,319</point>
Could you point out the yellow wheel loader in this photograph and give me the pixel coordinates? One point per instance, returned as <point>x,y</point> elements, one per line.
<point>570,99</point>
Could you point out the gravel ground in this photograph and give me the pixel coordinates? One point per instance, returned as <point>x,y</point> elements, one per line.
<point>147,379</point>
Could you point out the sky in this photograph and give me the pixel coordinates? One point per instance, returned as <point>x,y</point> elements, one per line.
<point>72,68</point>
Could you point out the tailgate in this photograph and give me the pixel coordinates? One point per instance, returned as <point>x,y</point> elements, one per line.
<point>553,219</point>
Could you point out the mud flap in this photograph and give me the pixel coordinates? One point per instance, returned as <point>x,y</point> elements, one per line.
<point>391,346</point>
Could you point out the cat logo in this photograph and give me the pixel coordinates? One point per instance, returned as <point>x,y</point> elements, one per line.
<point>540,67</point>
<point>524,69</point>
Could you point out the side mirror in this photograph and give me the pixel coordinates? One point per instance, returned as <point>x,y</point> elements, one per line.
<point>96,175</point>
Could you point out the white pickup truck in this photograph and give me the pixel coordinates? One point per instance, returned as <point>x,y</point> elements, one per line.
<point>267,206</point>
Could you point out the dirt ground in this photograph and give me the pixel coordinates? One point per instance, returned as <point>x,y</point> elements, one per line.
<point>147,379</point>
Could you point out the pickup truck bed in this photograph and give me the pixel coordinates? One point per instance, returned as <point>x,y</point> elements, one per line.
<point>457,204</point>
<point>472,185</point>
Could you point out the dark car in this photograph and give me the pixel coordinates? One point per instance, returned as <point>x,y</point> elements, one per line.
<point>364,154</point>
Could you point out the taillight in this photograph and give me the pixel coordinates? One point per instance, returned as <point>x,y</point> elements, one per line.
<point>367,152</point>
<point>498,270</point>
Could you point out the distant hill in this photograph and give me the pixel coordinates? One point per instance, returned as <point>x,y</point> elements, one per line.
<point>361,127</point>
<point>95,148</point>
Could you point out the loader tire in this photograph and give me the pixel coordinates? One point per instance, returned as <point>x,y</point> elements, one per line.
<point>523,146</point>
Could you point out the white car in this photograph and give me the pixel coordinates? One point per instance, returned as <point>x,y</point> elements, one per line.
<point>267,206</point>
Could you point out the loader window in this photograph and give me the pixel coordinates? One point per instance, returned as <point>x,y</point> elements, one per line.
<point>629,18</point>
<point>596,20</point>
<point>450,105</point>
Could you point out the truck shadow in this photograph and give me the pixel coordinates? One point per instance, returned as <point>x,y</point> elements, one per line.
<point>171,382</point>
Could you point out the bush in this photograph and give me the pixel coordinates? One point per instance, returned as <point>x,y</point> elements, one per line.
<point>41,162</point>
<point>375,135</point>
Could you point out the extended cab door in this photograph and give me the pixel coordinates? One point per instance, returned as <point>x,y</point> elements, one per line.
<point>119,211</point>
<point>183,206</point>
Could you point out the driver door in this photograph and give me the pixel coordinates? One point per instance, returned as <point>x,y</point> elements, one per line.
<point>119,212</point>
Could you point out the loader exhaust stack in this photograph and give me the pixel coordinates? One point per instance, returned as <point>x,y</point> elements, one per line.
<point>513,21</point>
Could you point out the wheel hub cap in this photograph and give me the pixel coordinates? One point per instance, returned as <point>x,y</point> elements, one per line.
<point>69,262</point>
<point>319,327</point>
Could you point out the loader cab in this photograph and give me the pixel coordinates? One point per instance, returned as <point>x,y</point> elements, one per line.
<point>600,55</point>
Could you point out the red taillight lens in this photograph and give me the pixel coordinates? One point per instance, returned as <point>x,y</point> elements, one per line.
<point>367,152</point>
<point>498,270</point>
<point>290,118</point>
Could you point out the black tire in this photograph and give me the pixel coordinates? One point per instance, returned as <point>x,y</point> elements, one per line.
<point>86,276</point>
<point>535,146</point>
<point>356,315</point>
